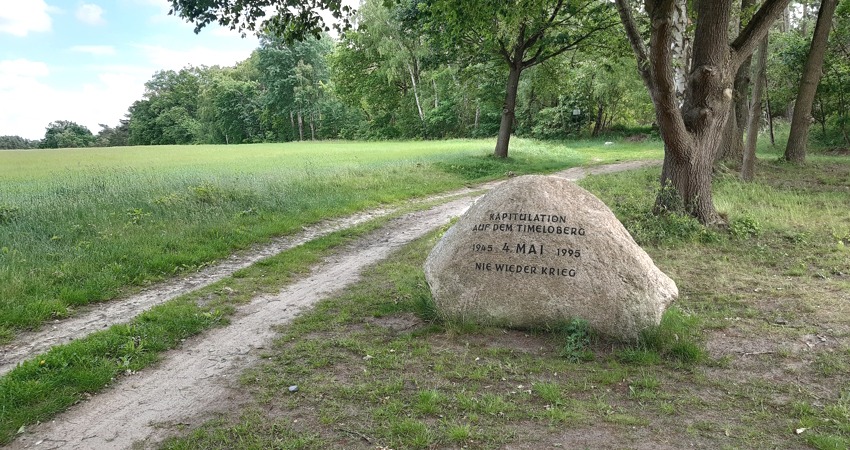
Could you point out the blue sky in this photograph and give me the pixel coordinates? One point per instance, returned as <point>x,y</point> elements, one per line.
<point>88,60</point>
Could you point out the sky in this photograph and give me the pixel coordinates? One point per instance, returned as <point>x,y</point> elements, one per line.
<point>87,60</point>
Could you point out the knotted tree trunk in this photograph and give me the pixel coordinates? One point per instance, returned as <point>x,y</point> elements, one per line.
<point>692,133</point>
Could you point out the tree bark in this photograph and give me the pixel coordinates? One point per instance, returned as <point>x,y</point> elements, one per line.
<point>769,111</point>
<point>749,162</point>
<point>300,127</point>
<point>436,93</point>
<point>413,77</point>
<point>508,111</point>
<point>597,127</point>
<point>682,48</point>
<point>732,148</point>
<point>795,150</point>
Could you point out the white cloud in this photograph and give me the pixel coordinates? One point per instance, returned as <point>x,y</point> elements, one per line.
<point>165,58</point>
<point>21,68</point>
<point>91,14</point>
<point>20,18</point>
<point>96,50</point>
<point>20,86</point>
<point>103,99</point>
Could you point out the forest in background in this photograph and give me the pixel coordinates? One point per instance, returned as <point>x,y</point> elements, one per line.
<point>399,75</point>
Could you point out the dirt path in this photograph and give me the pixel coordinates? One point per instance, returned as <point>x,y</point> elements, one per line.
<point>194,381</point>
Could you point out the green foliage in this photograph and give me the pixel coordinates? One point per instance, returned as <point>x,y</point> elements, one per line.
<point>114,137</point>
<point>17,142</point>
<point>8,214</point>
<point>294,20</point>
<point>744,227</point>
<point>67,134</point>
<point>576,335</point>
<point>169,112</point>
<point>677,338</point>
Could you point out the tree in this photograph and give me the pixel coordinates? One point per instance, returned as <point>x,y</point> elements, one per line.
<point>749,158</point>
<point>17,143</point>
<point>836,77</point>
<point>731,148</point>
<point>795,151</point>
<point>229,107</point>
<point>290,76</point>
<point>394,32</point>
<point>692,132</point>
<point>114,137</point>
<point>169,112</point>
<point>521,33</point>
<point>67,134</point>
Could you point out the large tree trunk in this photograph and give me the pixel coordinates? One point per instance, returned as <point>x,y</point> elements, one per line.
<point>686,182</point>
<point>749,162</point>
<point>508,111</point>
<point>795,151</point>
<point>692,133</point>
<point>692,139</point>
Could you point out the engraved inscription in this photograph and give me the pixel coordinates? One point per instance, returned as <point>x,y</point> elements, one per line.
<point>512,231</point>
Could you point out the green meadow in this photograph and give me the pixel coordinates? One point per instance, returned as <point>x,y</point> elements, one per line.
<point>79,226</point>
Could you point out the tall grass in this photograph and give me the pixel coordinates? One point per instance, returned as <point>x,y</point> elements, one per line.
<point>84,225</point>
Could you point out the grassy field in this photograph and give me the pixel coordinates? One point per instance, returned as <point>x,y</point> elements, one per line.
<point>754,354</point>
<point>79,226</point>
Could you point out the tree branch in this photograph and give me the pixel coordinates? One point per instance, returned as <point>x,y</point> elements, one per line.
<point>635,40</point>
<point>538,59</point>
<point>667,109</point>
<point>745,44</point>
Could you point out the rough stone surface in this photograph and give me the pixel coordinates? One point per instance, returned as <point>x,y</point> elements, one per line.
<point>538,251</point>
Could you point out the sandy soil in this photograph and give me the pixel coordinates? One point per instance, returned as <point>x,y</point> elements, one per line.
<point>199,379</point>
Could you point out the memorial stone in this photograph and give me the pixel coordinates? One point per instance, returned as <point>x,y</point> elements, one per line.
<point>540,250</point>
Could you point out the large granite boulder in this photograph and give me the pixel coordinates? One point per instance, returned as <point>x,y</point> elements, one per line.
<point>538,251</point>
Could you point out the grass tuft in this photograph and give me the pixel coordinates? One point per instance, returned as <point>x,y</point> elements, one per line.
<point>676,338</point>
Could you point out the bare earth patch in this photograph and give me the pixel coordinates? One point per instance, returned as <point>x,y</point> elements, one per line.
<point>194,382</point>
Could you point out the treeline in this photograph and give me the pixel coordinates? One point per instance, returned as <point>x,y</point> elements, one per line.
<point>399,75</point>
<point>406,72</point>
<point>393,77</point>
